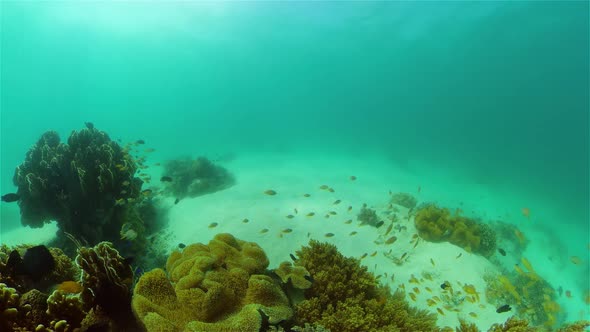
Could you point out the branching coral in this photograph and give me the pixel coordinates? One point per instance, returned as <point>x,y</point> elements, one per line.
<point>77,184</point>
<point>214,287</point>
<point>438,224</point>
<point>346,297</point>
<point>196,177</point>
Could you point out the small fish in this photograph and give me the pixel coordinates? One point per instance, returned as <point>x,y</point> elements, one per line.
<point>270,192</point>
<point>166,179</point>
<point>502,251</point>
<point>176,201</point>
<point>352,178</point>
<point>504,308</point>
<point>389,228</point>
<point>416,290</point>
<point>460,254</point>
<point>575,260</point>
<point>245,221</point>
<point>157,164</point>
<point>364,255</point>
<point>331,190</point>
<point>290,216</point>
<point>332,213</point>
<point>568,294</point>
<point>293,257</point>
<point>403,256</point>
<point>391,240</point>
<point>428,289</point>
<point>412,296</point>
<point>89,125</point>
<point>379,223</point>
<point>327,216</point>
<point>295,210</point>
<point>9,198</point>
<point>148,150</point>
<point>416,244</point>
<point>349,221</point>
<point>213,225</point>
<point>120,202</point>
<point>337,202</point>
<point>125,183</point>
<point>374,254</point>
<point>432,262</point>
<point>306,195</point>
<point>352,233</point>
<point>181,245</point>
<point>445,285</point>
<point>311,214</point>
<point>526,212</point>
<point>473,314</point>
<point>438,309</point>
<point>140,141</point>
<point>264,230</point>
<point>146,192</point>
<point>329,234</point>
<point>324,187</point>
<point>419,189</point>
<point>349,208</point>
<point>287,230</point>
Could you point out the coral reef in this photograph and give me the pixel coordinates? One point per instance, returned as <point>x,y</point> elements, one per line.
<point>191,178</point>
<point>344,296</point>
<point>535,298</point>
<point>368,217</point>
<point>216,287</point>
<point>81,184</point>
<point>438,224</point>
<point>107,281</point>
<point>404,199</point>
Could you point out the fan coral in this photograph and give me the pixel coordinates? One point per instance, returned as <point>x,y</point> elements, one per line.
<point>191,178</point>
<point>214,287</point>
<point>76,184</point>
<point>346,297</point>
<point>437,224</point>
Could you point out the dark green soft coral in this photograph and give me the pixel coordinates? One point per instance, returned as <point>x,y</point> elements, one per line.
<point>345,297</point>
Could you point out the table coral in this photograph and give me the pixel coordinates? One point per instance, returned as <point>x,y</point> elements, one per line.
<point>216,287</point>
<point>438,224</point>
<point>345,297</point>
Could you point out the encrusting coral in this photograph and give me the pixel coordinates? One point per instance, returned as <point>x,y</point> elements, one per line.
<point>191,178</point>
<point>216,287</point>
<point>345,297</point>
<point>438,224</point>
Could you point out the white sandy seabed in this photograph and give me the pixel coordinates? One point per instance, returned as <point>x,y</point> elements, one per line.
<point>292,176</point>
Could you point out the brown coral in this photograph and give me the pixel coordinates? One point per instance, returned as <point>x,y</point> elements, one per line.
<point>214,287</point>
<point>346,297</point>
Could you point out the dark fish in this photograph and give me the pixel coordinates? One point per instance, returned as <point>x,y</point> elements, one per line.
<point>444,285</point>
<point>293,257</point>
<point>89,125</point>
<point>181,245</point>
<point>166,179</point>
<point>140,141</point>
<point>37,262</point>
<point>504,308</point>
<point>502,251</point>
<point>176,201</point>
<point>379,224</point>
<point>9,198</point>
<point>14,261</point>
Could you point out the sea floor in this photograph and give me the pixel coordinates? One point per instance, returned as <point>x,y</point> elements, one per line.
<point>249,214</point>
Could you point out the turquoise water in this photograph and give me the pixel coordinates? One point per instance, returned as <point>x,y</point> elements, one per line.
<point>493,93</point>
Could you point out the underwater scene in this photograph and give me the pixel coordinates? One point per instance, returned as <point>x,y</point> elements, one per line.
<point>245,166</point>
